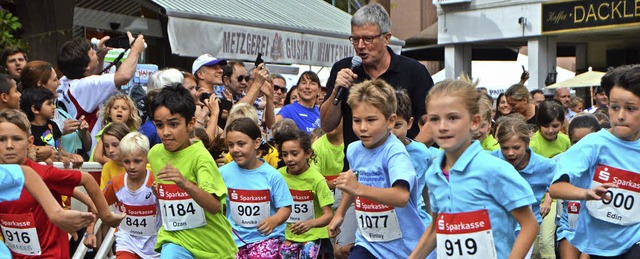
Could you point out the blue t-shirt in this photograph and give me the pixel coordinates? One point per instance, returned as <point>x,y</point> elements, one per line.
<point>149,129</point>
<point>11,183</point>
<point>594,236</point>
<point>421,159</point>
<point>480,181</point>
<point>381,167</point>
<point>262,178</point>
<point>538,173</point>
<point>307,119</point>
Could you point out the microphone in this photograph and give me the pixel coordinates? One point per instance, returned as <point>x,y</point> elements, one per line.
<point>356,61</point>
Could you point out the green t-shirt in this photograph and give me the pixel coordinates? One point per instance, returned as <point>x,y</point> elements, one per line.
<point>213,240</point>
<point>310,180</point>
<point>489,143</point>
<point>547,148</point>
<point>329,158</point>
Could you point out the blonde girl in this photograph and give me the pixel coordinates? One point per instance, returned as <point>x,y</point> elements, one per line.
<point>118,108</point>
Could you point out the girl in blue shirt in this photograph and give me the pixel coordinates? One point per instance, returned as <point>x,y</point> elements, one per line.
<point>513,136</point>
<point>476,198</point>
<point>602,171</point>
<point>259,201</point>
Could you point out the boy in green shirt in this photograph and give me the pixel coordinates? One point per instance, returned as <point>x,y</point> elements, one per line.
<point>190,189</point>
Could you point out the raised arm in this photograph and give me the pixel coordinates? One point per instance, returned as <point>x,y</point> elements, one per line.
<point>128,67</point>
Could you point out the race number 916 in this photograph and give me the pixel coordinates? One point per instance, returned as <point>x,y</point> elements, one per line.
<point>19,237</point>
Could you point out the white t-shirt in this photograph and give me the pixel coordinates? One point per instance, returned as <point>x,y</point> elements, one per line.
<point>85,96</point>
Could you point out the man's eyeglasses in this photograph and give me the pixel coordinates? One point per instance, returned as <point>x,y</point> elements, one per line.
<point>243,77</point>
<point>366,39</point>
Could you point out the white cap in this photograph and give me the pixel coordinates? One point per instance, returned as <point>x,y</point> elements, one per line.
<point>206,60</point>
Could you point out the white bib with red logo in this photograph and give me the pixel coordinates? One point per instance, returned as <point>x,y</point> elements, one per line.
<point>140,220</point>
<point>465,235</point>
<point>20,235</point>
<point>179,210</point>
<point>377,222</point>
<point>303,209</point>
<point>249,207</point>
<point>573,211</point>
<point>622,208</point>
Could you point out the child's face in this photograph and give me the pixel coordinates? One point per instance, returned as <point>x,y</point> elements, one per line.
<point>513,150</point>
<point>401,127</point>
<point>173,129</point>
<point>120,111</point>
<point>451,123</point>
<point>111,147</point>
<point>296,159</point>
<point>12,99</point>
<point>370,125</point>
<point>482,132</point>
<point>577,108</point>
<point>242,148</point>
<point>47,111</point>
<point>578,134</point>
<point>13,144</point>
<point>624,114</point>
<point>135,164</point>
<point>550,131</point>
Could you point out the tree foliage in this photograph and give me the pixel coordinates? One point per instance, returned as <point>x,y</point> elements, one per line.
<point>9,26</point>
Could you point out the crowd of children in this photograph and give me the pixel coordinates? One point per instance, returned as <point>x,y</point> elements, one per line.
<point>504,180</point>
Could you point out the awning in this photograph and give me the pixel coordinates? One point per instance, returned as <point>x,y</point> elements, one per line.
<point>309,32</point>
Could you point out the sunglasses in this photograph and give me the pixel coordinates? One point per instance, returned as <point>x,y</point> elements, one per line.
<point>243,77</point>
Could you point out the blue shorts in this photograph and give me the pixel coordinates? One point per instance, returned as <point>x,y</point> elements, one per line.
<point>358,252</point>
<point>172,251</point>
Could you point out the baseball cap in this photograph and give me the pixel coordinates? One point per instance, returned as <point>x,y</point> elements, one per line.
<point>206,60</point>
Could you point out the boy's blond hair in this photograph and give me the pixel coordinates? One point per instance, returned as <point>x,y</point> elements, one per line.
<point>376,93</point>
<point>133,142</point>
<point>16,117</point>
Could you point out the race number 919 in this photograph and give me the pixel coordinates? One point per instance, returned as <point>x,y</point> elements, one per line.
<point>456,247</point>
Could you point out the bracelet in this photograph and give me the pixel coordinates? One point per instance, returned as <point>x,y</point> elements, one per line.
<point>199,121</point>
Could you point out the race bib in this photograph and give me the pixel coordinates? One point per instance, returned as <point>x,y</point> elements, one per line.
<point>573,211</point>
<point>140,220</point>
<point>621,209</point>
<point>303,209</point>
<point>377,222</point>
<point>465,235</point>
<point>179,210</point>
<point>249,207</point>
<point>19,232</point>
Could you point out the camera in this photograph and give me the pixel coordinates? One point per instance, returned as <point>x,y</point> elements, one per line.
<point>205,96</point>
<point>121,42</point>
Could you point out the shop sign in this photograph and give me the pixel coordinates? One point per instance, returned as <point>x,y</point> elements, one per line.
<point>587,15</point>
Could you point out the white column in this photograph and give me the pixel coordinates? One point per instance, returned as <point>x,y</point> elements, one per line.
<point>457,59</point>
<point>542,58</point>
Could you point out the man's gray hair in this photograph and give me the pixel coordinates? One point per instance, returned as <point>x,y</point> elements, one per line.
<point>165,77</point>
<point>372,14</point>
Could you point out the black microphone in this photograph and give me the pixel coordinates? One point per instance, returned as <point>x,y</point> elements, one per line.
<point>356,61</point>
